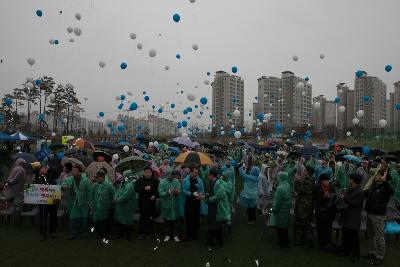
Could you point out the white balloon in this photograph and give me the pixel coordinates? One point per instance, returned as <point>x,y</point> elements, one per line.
<point>71,40</point>
<point>360,113</point>
<point>78,16</point>
<point>151,144</point>
<point>342,109</point>
<point>206,82</point>
<point>198,116</point>
<point>295,58</point>
<point>303,93</point>
<point>126,148</point>
<point>51,41</point>
<point>265,95</point>
<point>53,134</point>
<point>70,29</point>
<point>222,128</point>
<point>300,86</point>
<point>184,135</point>
<point>29,86</point>
<point>222,132</point>
<point>102,64</point>
<point>155,143</point>
<point>259,123</point>
<point>139,46</point>
<point>115,157</point>
<point>52,97</point>
<point>237,134</point>
<point>322,56</point>
<point>257,129</point>
<point>232,126</point>
<point>166,67</point>
<point>236,113</point>
<point>133,36</point>
<point>348,134</point>
<point>152,53</point>
<point>31,61</point>
<point>129,93</point>
<point>356,121</point>
<point>77,31</point>
<point>65,120</point>
<point>317,105</point>
<point>195,47</point>
<point>191,97</point>
<point>382,123</point>
<point>29,79</point>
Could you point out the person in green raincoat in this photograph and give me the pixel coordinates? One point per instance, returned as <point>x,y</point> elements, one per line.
<point>281,209</point>
<point>203,173</point>
<point>77,192</point>
<point>218,209</point>
<point>343,172</point>
<point>125,198</point>
<point>169,190</point>
<point>102,197</point>
<point>395,183</point>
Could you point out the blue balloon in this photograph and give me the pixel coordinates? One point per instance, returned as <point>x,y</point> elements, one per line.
<point>365,150</point>
<point>160,110</point>
<point>234,69</point>
<point>40,117</point>
<point>256,97</point>
<point>101,114</point>
<point>178,56</point>
<point>249,114</point>
<point>185,112</point>
<point>398,106</point>
<point>123,66</point>
<point>196,106</point>
<point>204,100</point>
<point>39,13</point>
<point>211,116</point>
<point>366,98</point>
<point>144,92</point>
<point>181,92</point>
<point>38,82</point>
<point>201,112</point>
<point>189,109</point>
<point>121,128</point>
<point>153,106</point>
<point>359,73</point>
<point>278,127</point>
<point>331,142</point>
<point>109,124</point>
<point>56,42</point>
<point>7,102</point>
<point>122,97</point>
<point>184,124</point>
<point>306,79</point>
<point>176,18</point>
<point>179,125</point>
<point>260,116</point>
<point>337,100</point>
<point>172,105</point>
<point>208,73</point>
<point>388,68</point>
<point>60,155</point>
<point>133,106</point>
<point>120,106</point>
<point>146,98</point>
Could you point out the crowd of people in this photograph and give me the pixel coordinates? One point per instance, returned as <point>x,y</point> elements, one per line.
<point>317,191</point>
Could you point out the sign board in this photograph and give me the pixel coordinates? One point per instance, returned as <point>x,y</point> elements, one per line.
<point>43,153</point>
<point>41,194</point>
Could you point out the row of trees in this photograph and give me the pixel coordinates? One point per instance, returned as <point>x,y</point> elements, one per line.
<point>59,100</point>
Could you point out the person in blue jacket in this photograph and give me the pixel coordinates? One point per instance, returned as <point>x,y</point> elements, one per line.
<point>248,197</point>
<point>193,191</point>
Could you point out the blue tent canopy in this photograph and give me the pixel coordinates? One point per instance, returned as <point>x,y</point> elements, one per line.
<point>5,137</point>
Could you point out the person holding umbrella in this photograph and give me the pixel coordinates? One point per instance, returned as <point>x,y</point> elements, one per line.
<point>77,191</point>
<point>102,197</point>
<point>125,197</point>
<point>147,187</point>
<point>169,190</point>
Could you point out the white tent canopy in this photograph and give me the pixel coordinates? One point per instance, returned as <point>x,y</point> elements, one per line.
<point>19,136</point>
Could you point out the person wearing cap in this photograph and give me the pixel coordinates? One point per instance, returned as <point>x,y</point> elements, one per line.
<point>218,209</point>
<point>77,191</point>
<point>125,197</point>
<point>281,209</point>
<point>102,197</point>
<point>304,186</point>
<point>169,190</point>
<point>350,216</point>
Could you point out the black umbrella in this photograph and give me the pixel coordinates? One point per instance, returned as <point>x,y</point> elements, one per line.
<point>309,150</point>
<point>388,158</point>
<point>395,153</point>
<point>131,163</point>
<point>105,145</point>
<point>376,153</point>
<point>85,160</point>
<point>107,157</point>
<point>28,157</point>
<point>56,146</point>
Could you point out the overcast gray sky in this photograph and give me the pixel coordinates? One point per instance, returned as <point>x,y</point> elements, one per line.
<point>258,36</point>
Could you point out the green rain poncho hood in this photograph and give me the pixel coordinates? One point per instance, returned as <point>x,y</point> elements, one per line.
<point>125,198</point>
<point>169,201</point>
<point>282,202</point>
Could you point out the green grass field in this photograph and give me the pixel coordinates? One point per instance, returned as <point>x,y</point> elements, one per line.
<point>21,247</point>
